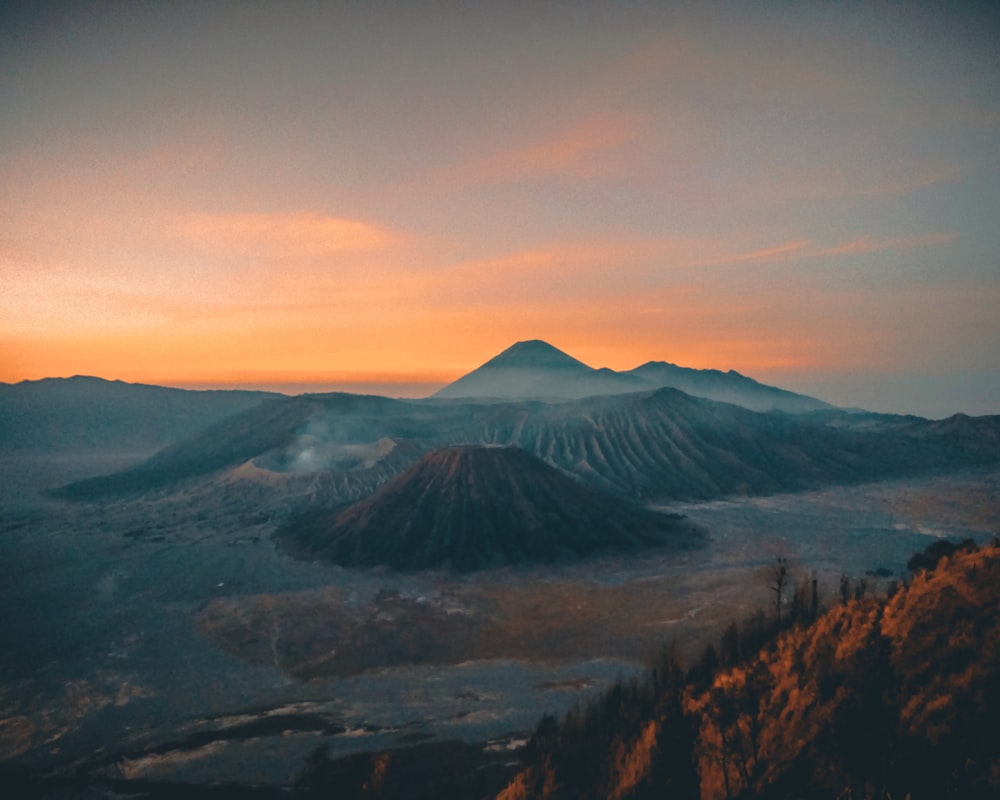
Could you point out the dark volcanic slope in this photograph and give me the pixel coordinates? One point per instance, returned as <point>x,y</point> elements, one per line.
<point>665,444</point>
<point>479,507</point>
<point>277,434</point>
<point>266,426</point>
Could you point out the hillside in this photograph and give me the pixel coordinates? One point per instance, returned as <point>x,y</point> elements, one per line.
<point>232,440</point>
<point>473,508</point>
<point>877,698</point>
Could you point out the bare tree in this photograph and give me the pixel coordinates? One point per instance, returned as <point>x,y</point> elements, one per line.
<point>779,579</point>
<point>845,588</point>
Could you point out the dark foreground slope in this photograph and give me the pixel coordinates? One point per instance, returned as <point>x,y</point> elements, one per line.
<point>473,507</point>
<point>877,698</point>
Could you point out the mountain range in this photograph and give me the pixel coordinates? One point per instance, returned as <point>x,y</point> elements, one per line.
<point>328,450</point>
<point>535,370</point>
<point>85,413</point>
<point>661,445</point>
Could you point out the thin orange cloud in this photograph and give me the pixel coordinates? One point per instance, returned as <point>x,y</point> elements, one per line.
<point>302,234</point>
<point>912,182</point>
<point>584,149</point>
<point>766,254</point>
<point>547,275</point>
<point>804,249</point>
<point>84,275</point>
<point>867,244</point>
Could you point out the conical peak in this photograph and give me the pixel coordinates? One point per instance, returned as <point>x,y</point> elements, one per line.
<point>477,507</point>
<point>534,353</point>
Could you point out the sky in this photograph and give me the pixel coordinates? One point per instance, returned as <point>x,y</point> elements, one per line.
<point>382,196</point>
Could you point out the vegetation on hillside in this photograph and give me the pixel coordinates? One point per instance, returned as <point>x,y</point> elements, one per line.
<point>879,697</point>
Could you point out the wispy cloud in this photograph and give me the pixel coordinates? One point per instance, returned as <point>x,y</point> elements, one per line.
<point>775,253</point>
<point>868,244</point>
<point>912,182</point>
<point>803,249</point>
<point>549,274</point>
<point>584,149</point>
<point>302,234</point>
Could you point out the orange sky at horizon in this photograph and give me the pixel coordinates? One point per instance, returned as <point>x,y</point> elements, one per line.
<point>374,197</point>
<point>262,323</point>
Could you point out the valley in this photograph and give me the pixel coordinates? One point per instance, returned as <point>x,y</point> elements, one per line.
<point>192,650</point>
<point>201,590</point>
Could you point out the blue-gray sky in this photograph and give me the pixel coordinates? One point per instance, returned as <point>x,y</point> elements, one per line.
<point>386,195</point>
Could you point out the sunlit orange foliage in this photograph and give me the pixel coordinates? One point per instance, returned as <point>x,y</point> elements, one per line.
<point>878,697</point>
<point>631,763</point>
<point>374,787</point>
<point>537,782</point>
<point>941,640</point>
<point>519,788</point>
<point>945,634</point>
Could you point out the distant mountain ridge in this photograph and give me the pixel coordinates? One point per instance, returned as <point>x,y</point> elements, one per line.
<point>475,507</point>
<point>535,370</point>
<point>85,413</point>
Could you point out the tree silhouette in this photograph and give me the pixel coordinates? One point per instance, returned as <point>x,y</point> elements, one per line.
<point>779,579</point>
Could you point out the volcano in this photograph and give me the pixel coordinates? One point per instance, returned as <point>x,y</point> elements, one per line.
<point>473,507</point>
<point>535,370</point>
